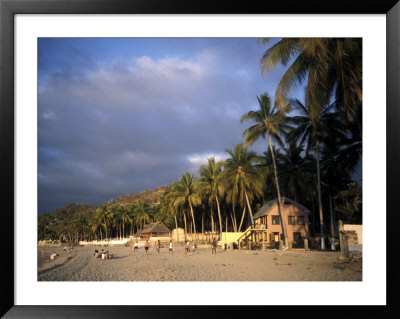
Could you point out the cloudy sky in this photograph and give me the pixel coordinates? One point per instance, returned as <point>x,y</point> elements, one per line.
<point>117,116</point>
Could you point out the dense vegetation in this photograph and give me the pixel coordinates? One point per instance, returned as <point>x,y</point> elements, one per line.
<point>312,148</point>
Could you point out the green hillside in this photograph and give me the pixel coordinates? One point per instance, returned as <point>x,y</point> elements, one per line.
<point>56,223</point>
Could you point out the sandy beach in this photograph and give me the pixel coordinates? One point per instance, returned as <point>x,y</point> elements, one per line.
<point>230,265</point>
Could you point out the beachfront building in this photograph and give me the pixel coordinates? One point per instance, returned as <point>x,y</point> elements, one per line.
<point>157,229</point>
<point>268,225</point>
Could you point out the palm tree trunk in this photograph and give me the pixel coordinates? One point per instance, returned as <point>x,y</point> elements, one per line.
<point>241,221</point>
<point>212,221</point>
<point>105,225</point>
<point>219,215</point>
<point>321,216</point>
<point>176,227</point>
<point>249,207</point>
<point>234,219</point>
<point>202,221</point>
<point>194,223</point>
<point>313,214</point>
<point>280,211</point>
<point>332,227</point>
<point>131,230</point>
<point>184,219</point>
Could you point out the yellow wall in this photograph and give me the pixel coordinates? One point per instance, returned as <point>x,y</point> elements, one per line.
<point>356,228</point>
<point>230,237</point>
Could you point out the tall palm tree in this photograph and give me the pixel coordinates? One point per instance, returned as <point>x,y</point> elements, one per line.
<point>332,66</point>
<point>186,194</point>
<point>271,122</point>
<point>167,207</point>
<point>107,214</point>
<point>267,165</point>
<point>296,171</point>
<point>141,210</point>
<point>231,198</point>
<point>314,124</point>
<point>209,182</point>
<point>97,223</point>
<point>240,177</point>
<point>116,221</point>
<point>124,218</point>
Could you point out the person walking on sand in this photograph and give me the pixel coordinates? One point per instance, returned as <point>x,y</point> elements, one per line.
<point>135,247</point>
<point>170,251</point>
<point>193,247</point>
<point>158,244</point>
<point>187,248</point>
<point>53,257</point>
<point>214,246</point>
<point>146,246</point>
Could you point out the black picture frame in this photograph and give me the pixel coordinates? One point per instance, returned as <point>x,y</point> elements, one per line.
<point>8,8</point>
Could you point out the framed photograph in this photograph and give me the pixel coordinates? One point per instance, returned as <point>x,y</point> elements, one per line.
<point>114,114</point>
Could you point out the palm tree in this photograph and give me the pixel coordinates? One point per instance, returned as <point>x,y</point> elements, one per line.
<point>116,221</point>
<point>186,194</point>
<point>141,210</point>
<point>241,178</point>
<point>296,171</point>
<point>267,165</point>
<point>107,214</point>
<point>167,207</point>
<point>231,198</point>
<point>314,124</point>
<point>97,223</point>
<point>330,66</point>
<point>125,218</point>
<point>272,122</point>
<point>209,182</point>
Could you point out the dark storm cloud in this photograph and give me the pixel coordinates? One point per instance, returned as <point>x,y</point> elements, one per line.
<point>141,122</point>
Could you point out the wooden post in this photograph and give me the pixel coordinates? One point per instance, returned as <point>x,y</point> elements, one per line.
<point>332,227</point>
<point>226,231</point>
<point>263,241</point>
<point>343,241</point>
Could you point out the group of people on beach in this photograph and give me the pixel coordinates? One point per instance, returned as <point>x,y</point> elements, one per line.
<point>103,254</point>
<point>53,256</point>
<point>107,255</point>
<point>187,248</point>
<point>170,247</point>
<point>68,249</point>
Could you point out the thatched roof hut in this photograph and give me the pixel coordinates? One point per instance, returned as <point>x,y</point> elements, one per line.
<point>157,229</point>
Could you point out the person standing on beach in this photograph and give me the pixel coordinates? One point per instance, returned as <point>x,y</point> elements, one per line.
<point>146,246</point>
<point>158,244</point>
<point>170,248</point>
<point>135,247</point>
<point>187,248</point>
<point>214,246</point>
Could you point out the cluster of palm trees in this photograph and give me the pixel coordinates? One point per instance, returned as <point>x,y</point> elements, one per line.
<point>313,146</point>
<point>107,221</point>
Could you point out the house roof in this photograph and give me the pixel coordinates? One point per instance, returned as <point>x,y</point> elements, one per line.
<point>266,208</point>
<point>157,227</point>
